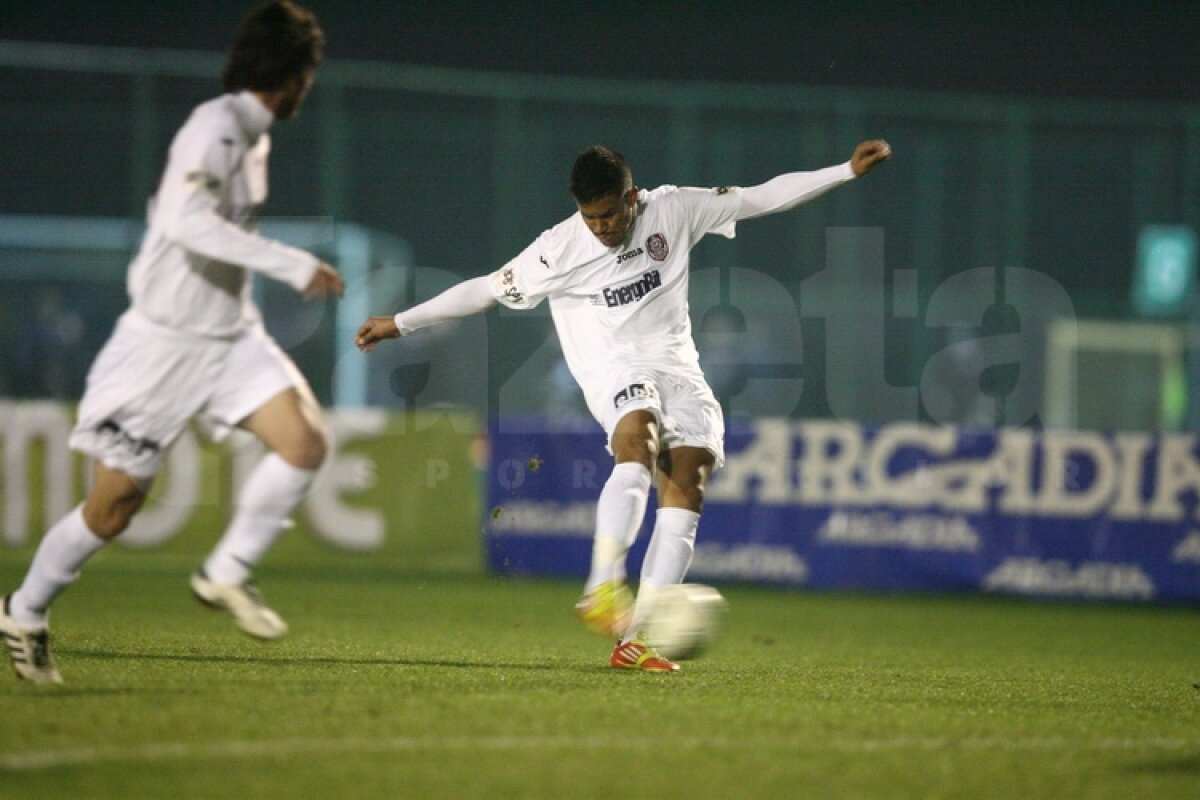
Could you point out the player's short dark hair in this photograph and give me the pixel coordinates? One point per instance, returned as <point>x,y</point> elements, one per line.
<point>599,172</point>
<point>277,42</point>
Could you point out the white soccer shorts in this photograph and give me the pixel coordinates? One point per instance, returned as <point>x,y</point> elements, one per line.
<point>687,411</point>
<point>149,381</point>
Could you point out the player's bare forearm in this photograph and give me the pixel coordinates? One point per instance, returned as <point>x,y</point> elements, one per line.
<point>868,154</point>
<point>374,331</point>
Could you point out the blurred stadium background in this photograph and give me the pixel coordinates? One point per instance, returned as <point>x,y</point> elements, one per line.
<point>459,168</point>
<point>1026,261</point>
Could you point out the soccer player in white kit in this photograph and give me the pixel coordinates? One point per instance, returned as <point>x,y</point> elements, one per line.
<point>616,276</point>
<point>192,344</point>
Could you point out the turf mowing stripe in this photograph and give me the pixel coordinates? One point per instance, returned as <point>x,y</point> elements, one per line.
<point>48,759</point>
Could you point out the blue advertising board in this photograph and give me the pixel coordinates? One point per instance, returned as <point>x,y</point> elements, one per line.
<point>902,507</point>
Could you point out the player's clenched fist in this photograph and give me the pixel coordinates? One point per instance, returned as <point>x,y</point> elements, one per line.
<point>868,154</point>
<point>374,331</point>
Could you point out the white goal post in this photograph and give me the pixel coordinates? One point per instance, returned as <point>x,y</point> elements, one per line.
<point>1145,359</point>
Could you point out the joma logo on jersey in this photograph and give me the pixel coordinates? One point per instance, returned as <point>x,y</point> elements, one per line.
<point>633,391</point>
<point>632,292</point>
<point>628,254</point>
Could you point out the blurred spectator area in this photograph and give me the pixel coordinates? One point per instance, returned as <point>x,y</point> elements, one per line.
<point>465,168</point>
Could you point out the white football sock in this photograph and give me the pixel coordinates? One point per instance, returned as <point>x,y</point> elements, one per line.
<point>271,493</point>
<point>667,560</point>
<point>55,566</point>
<point>619,513</point>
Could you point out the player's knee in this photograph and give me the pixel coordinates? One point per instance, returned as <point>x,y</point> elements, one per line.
<point>638,445</point>
<point>636,439</point>
<point>636,449</point>
<point>108,520</point>
<point>306,450</point>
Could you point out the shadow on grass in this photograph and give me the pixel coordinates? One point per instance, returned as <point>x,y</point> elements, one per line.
<point>72,692</point>
<point>225,658</point>
<point>1175,765</point>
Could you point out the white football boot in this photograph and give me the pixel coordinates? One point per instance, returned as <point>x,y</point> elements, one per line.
<point>243,602</point>
<point>29,650</point>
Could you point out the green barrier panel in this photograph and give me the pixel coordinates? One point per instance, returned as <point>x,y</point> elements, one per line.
<point>401,490</point>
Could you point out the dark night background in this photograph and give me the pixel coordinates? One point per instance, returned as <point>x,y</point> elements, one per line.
<point>1096,49</point>
<point>1054,164</point>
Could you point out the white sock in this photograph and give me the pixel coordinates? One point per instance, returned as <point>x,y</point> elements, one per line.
<point>272,492</point>
<point>619,513</point>
<point>55,566</point>
<point>667,560</point>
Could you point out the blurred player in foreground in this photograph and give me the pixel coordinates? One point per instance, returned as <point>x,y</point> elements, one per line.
<point>616,275</point>
<point>192,344</point>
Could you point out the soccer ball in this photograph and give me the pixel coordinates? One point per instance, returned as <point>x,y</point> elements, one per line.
<point>685,620</point>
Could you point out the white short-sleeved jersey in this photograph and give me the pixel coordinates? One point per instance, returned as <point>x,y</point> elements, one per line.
<point>621,309</point>
<point>190,273</point>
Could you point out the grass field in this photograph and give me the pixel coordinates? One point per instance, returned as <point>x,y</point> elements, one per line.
<point>403,685</point>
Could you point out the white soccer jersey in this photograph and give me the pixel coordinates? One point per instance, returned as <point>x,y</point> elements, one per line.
<point>621,308</point>
<point>190,273</point>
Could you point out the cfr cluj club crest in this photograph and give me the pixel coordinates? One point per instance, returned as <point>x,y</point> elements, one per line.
<point>657,247</point>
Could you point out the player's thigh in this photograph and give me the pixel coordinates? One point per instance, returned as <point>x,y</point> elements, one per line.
<point>263,392</point>
<point>635,438</point>
<point>630,410</point>
<point>692,417</point>
<point>290,424</point>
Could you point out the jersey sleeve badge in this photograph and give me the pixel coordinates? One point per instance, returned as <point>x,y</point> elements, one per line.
<point>504,287</point>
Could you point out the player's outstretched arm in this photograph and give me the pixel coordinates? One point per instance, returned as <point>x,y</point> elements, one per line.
<point>461,300</point>
<point>791,189</point>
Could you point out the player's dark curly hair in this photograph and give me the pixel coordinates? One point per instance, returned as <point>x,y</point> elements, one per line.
<point>276,42</point>
<point>599,172</point>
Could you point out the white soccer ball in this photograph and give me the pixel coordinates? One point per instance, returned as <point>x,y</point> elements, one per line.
<point>685,620</point>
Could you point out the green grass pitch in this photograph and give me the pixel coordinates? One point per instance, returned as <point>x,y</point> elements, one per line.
<point>398,684</point>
